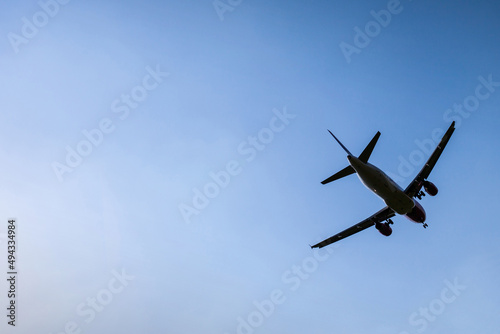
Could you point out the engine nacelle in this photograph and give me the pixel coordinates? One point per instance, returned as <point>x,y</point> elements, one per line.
<point>384,228</point>
<point>430,188</point>
<point>417,214</point>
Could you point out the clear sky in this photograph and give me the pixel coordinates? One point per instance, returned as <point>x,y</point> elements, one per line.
<point>163,161</point>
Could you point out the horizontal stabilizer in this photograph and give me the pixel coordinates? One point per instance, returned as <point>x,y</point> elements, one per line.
<point>344,172</point>
<point>365,155</point>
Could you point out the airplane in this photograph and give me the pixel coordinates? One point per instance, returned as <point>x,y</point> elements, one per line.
<point>398,201</point>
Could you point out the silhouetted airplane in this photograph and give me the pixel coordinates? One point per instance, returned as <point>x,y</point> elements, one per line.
<point>397,200</point>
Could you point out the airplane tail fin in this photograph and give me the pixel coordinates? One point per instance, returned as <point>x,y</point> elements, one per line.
<point>364,156</point>
<point>338,141</point>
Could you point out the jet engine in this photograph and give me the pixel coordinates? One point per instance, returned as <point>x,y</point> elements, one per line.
<point>430,188</point>
<point>384,228</point>
<point>417,214</point>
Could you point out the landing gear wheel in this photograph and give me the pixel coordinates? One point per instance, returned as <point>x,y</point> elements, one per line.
<point>425,225</point>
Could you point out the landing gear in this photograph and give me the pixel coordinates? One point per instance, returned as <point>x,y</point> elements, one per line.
<point>420,195</point>
<point>425,225</point>
<point>389,221</point>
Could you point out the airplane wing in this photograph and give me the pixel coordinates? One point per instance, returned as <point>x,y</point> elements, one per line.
<point>380,216</point>
<point>414,187</point>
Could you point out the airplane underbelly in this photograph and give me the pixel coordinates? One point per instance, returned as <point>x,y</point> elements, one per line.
<point>379,185</point>
<point>400,202</point>
<point>386,189</point>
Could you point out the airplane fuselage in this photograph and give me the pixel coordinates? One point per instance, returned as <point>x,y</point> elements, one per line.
<point>382,185</point>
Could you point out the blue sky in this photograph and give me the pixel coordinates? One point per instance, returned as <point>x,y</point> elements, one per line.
<point>117,115</point>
